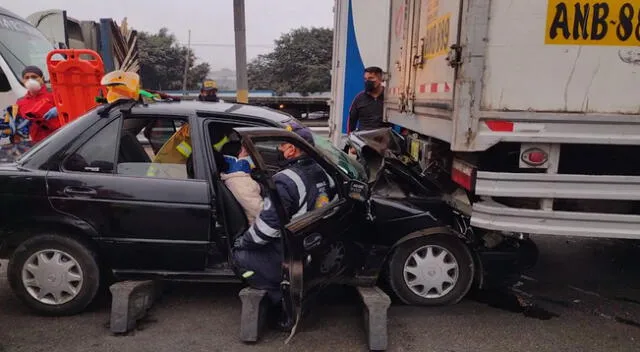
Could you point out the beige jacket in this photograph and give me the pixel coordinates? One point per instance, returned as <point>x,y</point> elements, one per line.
<point>246,191</point>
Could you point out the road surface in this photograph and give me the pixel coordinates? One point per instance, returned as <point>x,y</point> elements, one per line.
<point>584,295</point>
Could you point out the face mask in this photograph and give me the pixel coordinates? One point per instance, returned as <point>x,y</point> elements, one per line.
<point>369,86</point>
<point>32,85</point>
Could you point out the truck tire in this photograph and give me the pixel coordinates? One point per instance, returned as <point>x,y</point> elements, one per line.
<point>54,275</point>
<point>433,270</point>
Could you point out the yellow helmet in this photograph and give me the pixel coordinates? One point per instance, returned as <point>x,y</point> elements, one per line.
<point>121,85</point>
<point>209,84</point>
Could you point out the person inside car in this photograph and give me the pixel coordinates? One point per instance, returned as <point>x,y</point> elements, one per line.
<point>236,175</point>
<point>302,187</point>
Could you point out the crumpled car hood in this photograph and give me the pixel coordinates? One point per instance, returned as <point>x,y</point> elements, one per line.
<point>374,147</point>
<point>384,141</point>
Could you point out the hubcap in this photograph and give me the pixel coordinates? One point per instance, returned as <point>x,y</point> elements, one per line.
<point>52,277</point>
<point>431,271</point>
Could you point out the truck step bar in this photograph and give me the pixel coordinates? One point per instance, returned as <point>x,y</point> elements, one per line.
<point>494,216</point>
<point>495,184</point>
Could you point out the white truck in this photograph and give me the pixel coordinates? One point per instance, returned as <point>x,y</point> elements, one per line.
<point>21,45</point>
<point>531,107</point>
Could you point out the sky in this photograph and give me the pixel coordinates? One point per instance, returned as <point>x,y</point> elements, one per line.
<point>210,21</point>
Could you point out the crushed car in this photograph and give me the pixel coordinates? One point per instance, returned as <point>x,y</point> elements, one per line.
<point>107,198</point>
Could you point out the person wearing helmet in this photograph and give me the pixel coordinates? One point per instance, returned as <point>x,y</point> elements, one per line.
<point>209,91</point>
<point>37,105</point>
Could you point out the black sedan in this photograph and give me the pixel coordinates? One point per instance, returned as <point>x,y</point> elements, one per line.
<point>107,197</point>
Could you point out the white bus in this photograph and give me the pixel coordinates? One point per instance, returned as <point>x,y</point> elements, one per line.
<point>21,45</point>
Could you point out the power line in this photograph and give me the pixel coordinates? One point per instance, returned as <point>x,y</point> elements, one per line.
<point>221,45</point>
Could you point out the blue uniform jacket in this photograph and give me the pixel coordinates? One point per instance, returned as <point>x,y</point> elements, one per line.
<point>302,186</point>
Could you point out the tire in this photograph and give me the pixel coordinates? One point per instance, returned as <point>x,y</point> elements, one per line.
<point>454,283</point>
<point>69,282</point>
<point>529,254</point>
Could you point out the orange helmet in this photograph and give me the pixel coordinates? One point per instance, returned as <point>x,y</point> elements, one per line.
<point>121,85</point>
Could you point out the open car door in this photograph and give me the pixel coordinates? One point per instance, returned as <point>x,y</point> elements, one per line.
<point>315,247</point>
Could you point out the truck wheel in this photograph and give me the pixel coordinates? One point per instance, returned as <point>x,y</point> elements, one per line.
<point>54,275</point>
<point>431,271</point>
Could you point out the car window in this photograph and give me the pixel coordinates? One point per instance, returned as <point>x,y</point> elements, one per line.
<point>156,147</point>
<point>224,141</point>
<point>275,162</point>
<point>97,155</point>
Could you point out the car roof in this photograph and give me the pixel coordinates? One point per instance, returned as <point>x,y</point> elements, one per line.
<point>206,108</point>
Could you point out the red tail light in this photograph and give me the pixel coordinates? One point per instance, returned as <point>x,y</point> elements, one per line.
<point>500,126</point>
<point>534,157</point>
<point>463,174</point>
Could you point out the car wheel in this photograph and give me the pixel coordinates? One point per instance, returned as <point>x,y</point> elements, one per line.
<point>54,275</point>
<point>432,270</point>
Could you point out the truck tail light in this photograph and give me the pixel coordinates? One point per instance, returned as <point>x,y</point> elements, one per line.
<point>534,157</point>
<point>500,126</point>
<point>463,174</point>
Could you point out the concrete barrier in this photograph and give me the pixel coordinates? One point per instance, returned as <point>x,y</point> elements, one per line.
<point>376,304</point>
<point>254,313</point>
<point>131,300</point>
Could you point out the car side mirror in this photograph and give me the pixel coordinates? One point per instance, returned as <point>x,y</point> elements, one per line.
<point>358,190</point>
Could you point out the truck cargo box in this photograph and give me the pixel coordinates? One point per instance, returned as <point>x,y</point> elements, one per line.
<point>474,73</point>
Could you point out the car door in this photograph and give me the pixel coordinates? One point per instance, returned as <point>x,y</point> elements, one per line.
<point>317,242</point>
<point>145,221</point>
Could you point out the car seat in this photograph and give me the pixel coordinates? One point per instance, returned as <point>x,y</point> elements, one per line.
<point>233,217</point>
<point>131,151</point>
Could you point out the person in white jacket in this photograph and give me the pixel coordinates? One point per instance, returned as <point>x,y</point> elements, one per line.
<point>236,176</point>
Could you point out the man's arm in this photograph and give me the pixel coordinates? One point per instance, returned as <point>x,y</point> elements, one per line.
<point>353,115</point>
<point>266,228</point>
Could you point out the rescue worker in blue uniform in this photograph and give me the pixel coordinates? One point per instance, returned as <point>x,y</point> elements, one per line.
<point>303,186</point>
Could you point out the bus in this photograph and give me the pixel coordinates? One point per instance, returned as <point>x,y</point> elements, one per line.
<point>21,45</point>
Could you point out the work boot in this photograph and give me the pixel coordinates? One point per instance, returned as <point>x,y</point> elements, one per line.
<point>278,319</point>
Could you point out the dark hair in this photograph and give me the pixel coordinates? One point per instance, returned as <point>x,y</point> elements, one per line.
<point>374,69</point>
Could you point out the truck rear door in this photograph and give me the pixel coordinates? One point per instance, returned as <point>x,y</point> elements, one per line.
<point>421,74</point>
<point>435,31</point>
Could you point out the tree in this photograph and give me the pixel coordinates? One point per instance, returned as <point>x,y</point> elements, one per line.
<point>300,62</point>
<point>162,61</point>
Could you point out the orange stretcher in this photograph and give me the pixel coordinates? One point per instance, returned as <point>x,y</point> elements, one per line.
<point>75,76</point>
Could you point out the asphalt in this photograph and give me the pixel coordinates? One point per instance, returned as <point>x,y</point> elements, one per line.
<point>584,295</point>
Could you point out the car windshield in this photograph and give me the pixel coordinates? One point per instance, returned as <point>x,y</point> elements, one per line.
<point>351,167</point>
<point>23,45</point>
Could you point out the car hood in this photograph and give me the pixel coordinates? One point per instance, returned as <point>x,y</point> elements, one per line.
<point>383,141</point>
<point>12,152</point>
<point>9,167</point>
<point>374,147</point>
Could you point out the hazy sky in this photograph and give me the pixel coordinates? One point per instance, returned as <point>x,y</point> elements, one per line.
<point>210,21</point>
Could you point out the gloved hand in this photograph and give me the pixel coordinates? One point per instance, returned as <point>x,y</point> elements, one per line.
<point>239,243</point>
<point>51,114</point>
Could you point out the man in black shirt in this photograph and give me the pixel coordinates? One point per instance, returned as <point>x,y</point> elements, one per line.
<point>366,109</point>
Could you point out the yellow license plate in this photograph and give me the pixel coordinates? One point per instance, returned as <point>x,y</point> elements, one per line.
<point>415,150</point>
<point>593,22</point>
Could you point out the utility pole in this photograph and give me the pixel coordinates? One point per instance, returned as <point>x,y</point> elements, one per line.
<point>242,83</point>
<point>186,66</point>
